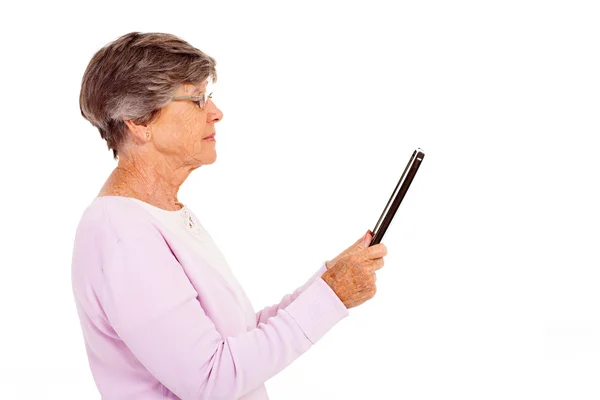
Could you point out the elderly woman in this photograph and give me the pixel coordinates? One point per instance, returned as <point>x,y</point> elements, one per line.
<point>161,313</point>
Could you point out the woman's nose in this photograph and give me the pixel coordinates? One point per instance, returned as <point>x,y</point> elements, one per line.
<point>214,114</point>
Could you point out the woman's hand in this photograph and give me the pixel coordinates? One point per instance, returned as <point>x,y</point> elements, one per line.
<point>351,275</point>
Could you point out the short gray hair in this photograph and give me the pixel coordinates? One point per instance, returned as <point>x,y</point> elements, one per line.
<point>133,77</point>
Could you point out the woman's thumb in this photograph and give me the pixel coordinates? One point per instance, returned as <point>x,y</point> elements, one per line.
<point>367,238</point>
<point>363,242</point>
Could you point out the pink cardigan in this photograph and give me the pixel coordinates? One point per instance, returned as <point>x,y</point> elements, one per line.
<point>158,323</point>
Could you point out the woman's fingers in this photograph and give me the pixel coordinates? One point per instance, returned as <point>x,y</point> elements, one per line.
<point>376,251</point>
<point>376,264</point>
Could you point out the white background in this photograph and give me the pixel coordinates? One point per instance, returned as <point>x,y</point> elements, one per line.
<point>490,288</point>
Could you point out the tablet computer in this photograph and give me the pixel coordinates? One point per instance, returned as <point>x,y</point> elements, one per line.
<point>394,202</point>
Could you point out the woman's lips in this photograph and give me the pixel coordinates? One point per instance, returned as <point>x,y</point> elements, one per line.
<point>210,137</point>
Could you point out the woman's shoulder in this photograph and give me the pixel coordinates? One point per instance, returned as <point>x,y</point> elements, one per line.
<point>107,225</point>
<point>114,216</point>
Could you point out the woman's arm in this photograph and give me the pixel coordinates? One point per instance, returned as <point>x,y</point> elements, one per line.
<point>154,309</point>
<point>263,315</point>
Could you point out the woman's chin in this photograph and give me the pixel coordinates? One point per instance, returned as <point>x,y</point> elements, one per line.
<point>209,159</point>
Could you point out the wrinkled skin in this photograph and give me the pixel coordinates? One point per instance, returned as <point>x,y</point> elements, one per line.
<point>351,275</point>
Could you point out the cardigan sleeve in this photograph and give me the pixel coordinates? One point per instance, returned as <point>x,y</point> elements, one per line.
<point>263,315</point>
<point>156,312</point>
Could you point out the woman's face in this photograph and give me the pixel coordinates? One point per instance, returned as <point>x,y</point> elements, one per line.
<point>179,133</point>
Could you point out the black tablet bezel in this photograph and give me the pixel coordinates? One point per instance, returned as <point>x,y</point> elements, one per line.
<point>396,199</point>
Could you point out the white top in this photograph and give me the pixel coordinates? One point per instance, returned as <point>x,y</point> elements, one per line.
<point>186,226</point>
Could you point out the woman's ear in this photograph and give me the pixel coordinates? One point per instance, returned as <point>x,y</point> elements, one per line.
<point>140,132</point>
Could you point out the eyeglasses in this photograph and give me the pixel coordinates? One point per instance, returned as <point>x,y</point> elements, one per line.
<point>199,100</point>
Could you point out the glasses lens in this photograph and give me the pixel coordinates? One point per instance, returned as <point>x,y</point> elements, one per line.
<point>204,99</point>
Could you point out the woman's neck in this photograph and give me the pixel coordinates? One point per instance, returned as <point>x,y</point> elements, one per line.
<point>155,184</point>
